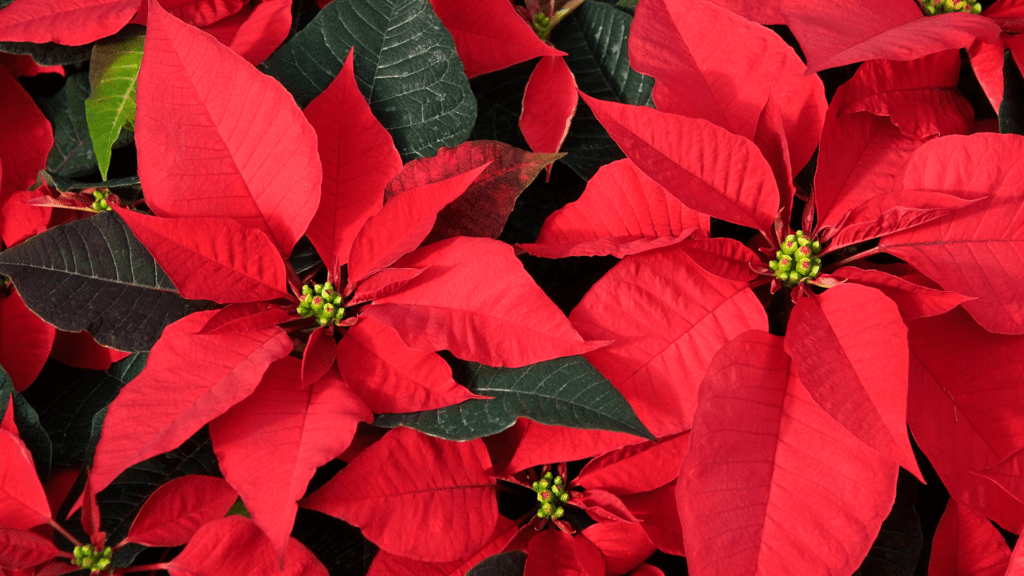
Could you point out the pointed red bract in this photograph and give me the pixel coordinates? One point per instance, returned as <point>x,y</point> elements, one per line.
<point>179,508</point>
<point>636,468</point>
<point>393,378</point>
<point>270,444</point>
<point>549,103</point>
<point>91,517</point>
<point>216,138</point>
<point>770,138</point>
<point>913,300</point>
<point>987,64</point>
<point>80,349</point>
<point>659,515</point>
<point>212,258</point>
<point>25,135</point>
<point>201,13</point>
<point>387,564</point>
<point>350,193</point>
<point>25,341</point>
<point>255,31</point>
<point>967,543</point>
<point>621,212</point>
<point>402,224</point>
<point>70,22</point>
<point>623,544</point>
<point>694,314</point>
<point>318,357</point>
<point>764,457</point>
<point>554,553</point>
<point>491,36</point>
<point>689,50</point>
<point>476,301</point>
<point>246,317</point>
<point>708,168</point>
<point>410,479</point>
<point>23,503</point>
<point>723,257</point>
<point>164,405</point>
<point>21,220</point>
<point>24,549</point>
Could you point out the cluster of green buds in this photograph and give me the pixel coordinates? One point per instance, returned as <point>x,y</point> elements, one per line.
<point>797,259</point>
<point>320,301</point>
<point>551,493</point>
<point>933,7</point>
<point>99,202</point>
<point>92,559</point>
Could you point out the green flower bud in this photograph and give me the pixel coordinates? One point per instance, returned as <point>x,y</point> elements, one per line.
<point>559,512</point>
<point>558,481</point>
<point>307,290</point>
<point>564,497</point>
<point>337,300</point>
<point>545,484</point>
<point>318,288</point>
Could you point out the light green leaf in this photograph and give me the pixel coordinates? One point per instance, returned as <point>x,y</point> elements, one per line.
<point>113,76</point>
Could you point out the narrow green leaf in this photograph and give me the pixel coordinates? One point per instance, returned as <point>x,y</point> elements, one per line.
<point>94,275</point>
<point>113,76</point>
<point>565,392</point>
<point>31,431</point>
<point>406,66</point>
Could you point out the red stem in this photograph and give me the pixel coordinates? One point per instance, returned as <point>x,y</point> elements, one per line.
<point>64,533</point>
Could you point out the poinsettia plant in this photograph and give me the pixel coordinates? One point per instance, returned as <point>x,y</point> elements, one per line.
<point>283,293</point>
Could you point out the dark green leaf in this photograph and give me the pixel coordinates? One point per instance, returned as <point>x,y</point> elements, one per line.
<point>49,54</point>
<point>505,564</point>
<point>565,392</point>
<point>898,546</point>
<point>304,257</point>
<point>94,275</point>
<point>499,99</point>
<point>67,412</point>
<point>113,76</point>
<point>340,546</point>
<point>595,37</point>
<point>31,431</point>
<point>405,64</point>
<point>1011,110</point>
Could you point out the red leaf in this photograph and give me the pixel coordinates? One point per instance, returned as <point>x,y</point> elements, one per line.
<point>350,194</point>
<point>770,138</point>
<point>255,31</point>
<point>25,134</point>
<point>920,96</point>
<point>23,503</point>
<point>201,13</point>
<point>555,553</point>
<point>689,52</point>
<point>976,251</point>
<point>621,212</point>
<point>659,516</point>
<point>318,357</point>
<point>491,36</point>
<point>987,64</point>
<point>967,543</point>
<point>178,509</point>
<point>393,378</point>
<point>245,318</point>
<point>549,103</point>
<point>91,517</point>
<point>723,257</point>
<point>80,349</point>
<point>20,219</point>
<point>1009,474</point>
<point>164,405</point>
<point>662,311</point>
<point>234,546</point>
<point>478,302</point>
<point>213,258</point>
<point>637,468</point>
<point>409,479</point>
<point>485,207</point>
<point>846,31</point>
<point>270,444</point>
<point>765,459</point>
<point>70,22</point>
<point>624,544</point>
<point>544,443</point>
<point>913,300</point>
<point>709,169</point>
<point>965,408</point>
<point>849,347</point>
<point>387,564</point>
<point>647,569</point>
<point>25,341</point>
<point>24,549</point>
<point>216,138</point>
<point>402,224</point>
<point>382,283</point>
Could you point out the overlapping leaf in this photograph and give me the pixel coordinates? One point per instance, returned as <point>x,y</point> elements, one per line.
<point>25,341</point>
<point>27,136</point>
<point>110,107</point>
<point>24,503</point>
<point>549,104</point>
<point>179,508</point>
<point>71,22</point>
<point>967,543</point>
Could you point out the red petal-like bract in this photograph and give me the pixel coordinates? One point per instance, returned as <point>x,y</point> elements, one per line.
<point>849,348</point>
<point>350,193</point>
<point>710,63</point>
<point>270,444</point>
<point>490,36</point>
<point>164,405</point>
<point>913,300</point>
<point>387,564</point>
<point>764,458</point>
<point>659,515</point>
<point>91,517</point>
<point>624,544</point>
<point>965,408</point>
<point>319,355</point>
<point>23,503</point>
<point>709,169</point>
<point>402,224</point>
<point>662,312</point>
<point>212,258</point>
<point>25,135</point>
<point>476,301</point>
<point>1009,474</point>
<point>25,341</point>
<point>837,32</point>
<point>255,31</point>
<point>70,22</point>
<point>987,64</point>
<point>549,103</point>
<point>246,317</point>
<point>24,549</point>
<point>235,546</point>
<point>20,219</point>
<point>179,508</point>
<point>200,13</point>
<point>485,207</point>
<point>621,212</point>
<point>393,378</point>
<point>638,468</point>
<point>967,543</point>
<point>79,349</point>
<point>539,444</point>
<point>770,138</point>
<point>723,257</point>
<point>216,138</point>
<point>978,250</point>
<point>554,553</point>
<point>410,479</point>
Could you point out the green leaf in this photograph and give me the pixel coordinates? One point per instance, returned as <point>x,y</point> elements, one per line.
<point>565,392</point>
<point>94,275</point>
<point>113,76</point>
<point>66,412</point>
<point>340,546</point>
<point>405,63</point>
<point>512,563</point>
<point>595,37</point>
<point>31,431</point>
<point>1011,109</point>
